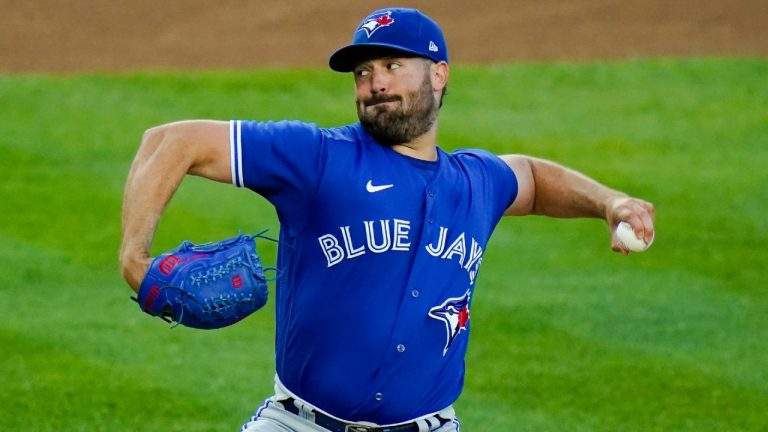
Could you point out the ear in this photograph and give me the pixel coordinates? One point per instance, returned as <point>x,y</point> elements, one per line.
<point>439,72</point>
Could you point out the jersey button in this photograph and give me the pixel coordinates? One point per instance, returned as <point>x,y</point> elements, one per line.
<point>378,396</point>
<point>430,192</point>
<point>400,348</point>
<point>415,293</point>
<point>430,220</point>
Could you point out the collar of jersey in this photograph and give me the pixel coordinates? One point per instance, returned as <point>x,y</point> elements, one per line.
<point>420,163</point>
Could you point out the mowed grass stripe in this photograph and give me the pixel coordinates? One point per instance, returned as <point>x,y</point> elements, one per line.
<point>80,212</point>
<point>51,389</point>
<point>717,333</point>
<point>596,353</point>
<point>80,355</point>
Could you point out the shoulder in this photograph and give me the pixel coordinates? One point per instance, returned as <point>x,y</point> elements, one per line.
<point>346,133</point>
<point>493,171</point>
<point>295,131</point>
<point>352,133</point>
<point>272,128</point>
<point>480,158</point>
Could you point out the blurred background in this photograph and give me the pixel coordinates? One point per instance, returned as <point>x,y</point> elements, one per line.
<point>75,36</point>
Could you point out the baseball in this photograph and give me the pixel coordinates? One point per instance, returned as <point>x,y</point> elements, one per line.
<point>627,238</point>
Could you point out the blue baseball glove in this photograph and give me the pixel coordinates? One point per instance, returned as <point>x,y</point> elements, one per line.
<point>205,286</point>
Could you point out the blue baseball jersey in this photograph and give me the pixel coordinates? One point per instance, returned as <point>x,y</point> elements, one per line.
<point>379,255</point>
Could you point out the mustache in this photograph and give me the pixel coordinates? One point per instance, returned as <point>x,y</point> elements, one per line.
<point>380,99</point>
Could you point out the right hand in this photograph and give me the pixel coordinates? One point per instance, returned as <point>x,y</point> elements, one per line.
<point>638,213</point>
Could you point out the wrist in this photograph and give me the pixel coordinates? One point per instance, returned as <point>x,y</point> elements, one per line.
<point>134,266</point>
<point>616,208</point>
<point>611,204</point>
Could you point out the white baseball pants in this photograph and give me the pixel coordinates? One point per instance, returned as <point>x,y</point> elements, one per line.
<point>272,417</point>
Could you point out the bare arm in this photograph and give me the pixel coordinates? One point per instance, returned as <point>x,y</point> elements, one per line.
<point>167,154</point>
<point>546,188</point>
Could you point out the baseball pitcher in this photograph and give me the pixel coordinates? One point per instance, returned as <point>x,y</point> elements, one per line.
<point>382,234</point>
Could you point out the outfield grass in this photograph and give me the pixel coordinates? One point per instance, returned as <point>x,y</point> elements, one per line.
<point>567,336</point>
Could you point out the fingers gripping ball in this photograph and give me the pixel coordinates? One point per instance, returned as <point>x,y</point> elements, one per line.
<point>629,240</point>
<point>205,286</point>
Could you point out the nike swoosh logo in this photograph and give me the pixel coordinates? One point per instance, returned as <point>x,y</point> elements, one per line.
<point>371,188</point>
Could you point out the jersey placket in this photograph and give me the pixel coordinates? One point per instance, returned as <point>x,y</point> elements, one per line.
<point>411,296</point>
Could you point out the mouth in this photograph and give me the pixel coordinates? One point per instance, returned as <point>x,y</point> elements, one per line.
<point>380,102</point>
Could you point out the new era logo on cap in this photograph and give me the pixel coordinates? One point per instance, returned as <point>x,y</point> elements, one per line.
<point>433,47</point>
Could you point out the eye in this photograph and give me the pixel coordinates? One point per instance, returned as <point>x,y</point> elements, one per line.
<point>361,72</point>
<point>391,66</point>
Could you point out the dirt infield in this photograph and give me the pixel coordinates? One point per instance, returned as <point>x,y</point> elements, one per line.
<point>75,36</point>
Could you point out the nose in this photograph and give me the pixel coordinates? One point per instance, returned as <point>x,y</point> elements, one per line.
<point>379,82</point>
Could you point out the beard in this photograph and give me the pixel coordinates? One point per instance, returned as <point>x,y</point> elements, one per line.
<point>409,119</point>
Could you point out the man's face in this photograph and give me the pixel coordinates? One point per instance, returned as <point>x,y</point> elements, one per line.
<point>395,101</point>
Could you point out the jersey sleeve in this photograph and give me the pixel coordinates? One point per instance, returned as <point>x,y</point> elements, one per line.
<point>500,179</point>
<point>282,161</point>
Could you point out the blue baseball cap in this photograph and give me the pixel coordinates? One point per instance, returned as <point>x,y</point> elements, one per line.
<point>398,29</point>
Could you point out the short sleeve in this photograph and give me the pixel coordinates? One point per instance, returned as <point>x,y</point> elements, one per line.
<point>506,182</point>
<point>282,161</point>
<point>500,179</point>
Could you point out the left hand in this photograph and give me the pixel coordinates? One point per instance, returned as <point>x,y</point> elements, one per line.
<point>638,213</point>
<point>206,286</point>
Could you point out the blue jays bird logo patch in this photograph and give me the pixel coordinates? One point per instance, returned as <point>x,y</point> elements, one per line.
<point>454,313</point>
<point>375,22</point>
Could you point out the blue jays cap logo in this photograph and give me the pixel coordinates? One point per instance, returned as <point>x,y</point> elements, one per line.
<point>375,22</point>
<point>454,313</point>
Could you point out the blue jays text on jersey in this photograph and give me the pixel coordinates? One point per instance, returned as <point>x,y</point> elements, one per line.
<point>379,255</point>
<point>458,249</point>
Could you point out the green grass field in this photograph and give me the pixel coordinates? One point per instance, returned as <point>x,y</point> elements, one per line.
<point>567,336</point>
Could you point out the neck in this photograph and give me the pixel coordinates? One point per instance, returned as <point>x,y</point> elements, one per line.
<point>423,147</point>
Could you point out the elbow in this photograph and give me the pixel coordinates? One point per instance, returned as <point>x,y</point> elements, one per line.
<point>192,147</point>
<point>150,142</point>
<point>160,140</point>
<point>155,136</point>
<point>154,133</point>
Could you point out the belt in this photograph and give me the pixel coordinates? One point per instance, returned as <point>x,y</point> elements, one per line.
<point>334,425</point>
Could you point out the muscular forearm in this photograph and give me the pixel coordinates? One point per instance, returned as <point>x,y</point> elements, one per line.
<point>155,175</point>
<point>167,153</point>
<point>562,192</point>
<point>546,188</point>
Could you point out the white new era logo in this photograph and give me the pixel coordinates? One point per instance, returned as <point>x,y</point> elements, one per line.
<point>433,47</point>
